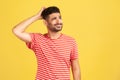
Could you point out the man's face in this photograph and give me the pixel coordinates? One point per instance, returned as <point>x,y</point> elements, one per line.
<point>54,22</point>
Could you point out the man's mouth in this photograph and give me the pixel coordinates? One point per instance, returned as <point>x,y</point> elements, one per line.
<point>60,24</point>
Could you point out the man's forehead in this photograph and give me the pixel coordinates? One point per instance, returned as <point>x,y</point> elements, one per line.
<point>54,14</point>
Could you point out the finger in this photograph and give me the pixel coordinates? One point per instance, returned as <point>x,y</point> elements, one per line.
<point>43,8</point>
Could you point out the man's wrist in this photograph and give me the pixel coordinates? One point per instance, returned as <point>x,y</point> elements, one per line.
<point>37,17</point>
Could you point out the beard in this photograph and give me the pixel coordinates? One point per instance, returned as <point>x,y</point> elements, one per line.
<point>56,27</point>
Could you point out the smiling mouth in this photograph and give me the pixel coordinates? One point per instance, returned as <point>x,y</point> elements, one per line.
<point>58,26</point>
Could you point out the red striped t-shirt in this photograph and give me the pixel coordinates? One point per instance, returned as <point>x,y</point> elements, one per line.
<point>53,56</point>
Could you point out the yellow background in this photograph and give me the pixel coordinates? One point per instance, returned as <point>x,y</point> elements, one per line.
<point>95,24</point>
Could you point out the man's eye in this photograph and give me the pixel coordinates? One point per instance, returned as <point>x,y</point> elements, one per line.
<point>54,18</point>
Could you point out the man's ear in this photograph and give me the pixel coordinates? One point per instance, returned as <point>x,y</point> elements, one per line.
<point>45,22</point>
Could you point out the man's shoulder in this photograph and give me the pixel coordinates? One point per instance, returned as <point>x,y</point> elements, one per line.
<point>68,37</point>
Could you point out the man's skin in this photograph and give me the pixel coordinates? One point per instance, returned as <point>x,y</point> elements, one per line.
<point>54,26</point>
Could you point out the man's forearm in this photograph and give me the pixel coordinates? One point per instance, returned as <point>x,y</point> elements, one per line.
<point>24,24</point>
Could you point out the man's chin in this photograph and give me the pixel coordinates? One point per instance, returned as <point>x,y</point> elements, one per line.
<point>57,30</point>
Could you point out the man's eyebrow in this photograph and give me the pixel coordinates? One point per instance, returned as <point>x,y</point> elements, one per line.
<point>54,18</point>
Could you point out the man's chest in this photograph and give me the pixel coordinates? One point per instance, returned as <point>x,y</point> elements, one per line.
<point>54,49</point>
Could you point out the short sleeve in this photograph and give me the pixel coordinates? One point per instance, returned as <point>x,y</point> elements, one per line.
<point>74,51</point>
<point>30,45</point>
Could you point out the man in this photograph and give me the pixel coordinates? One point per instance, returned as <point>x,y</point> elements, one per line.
<point>55,52</point>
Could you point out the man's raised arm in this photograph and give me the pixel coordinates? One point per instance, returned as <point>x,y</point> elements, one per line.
<point>19,29</point>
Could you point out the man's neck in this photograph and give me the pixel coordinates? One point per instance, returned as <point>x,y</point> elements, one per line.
<point>54,35</point>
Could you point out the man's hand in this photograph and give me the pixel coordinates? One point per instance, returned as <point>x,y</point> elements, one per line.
<point>39,13</point>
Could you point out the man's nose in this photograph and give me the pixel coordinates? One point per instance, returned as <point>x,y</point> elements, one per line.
<point>59,20</point>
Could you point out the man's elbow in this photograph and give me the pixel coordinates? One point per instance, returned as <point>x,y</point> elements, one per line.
<point>77,71</point>
<point>16,31</point>
<point>77,75</point>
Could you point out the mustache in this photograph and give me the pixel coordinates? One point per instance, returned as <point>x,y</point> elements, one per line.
<point>58,24</point>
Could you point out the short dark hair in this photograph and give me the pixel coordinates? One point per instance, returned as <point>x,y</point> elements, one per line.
<point>46,12</point>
